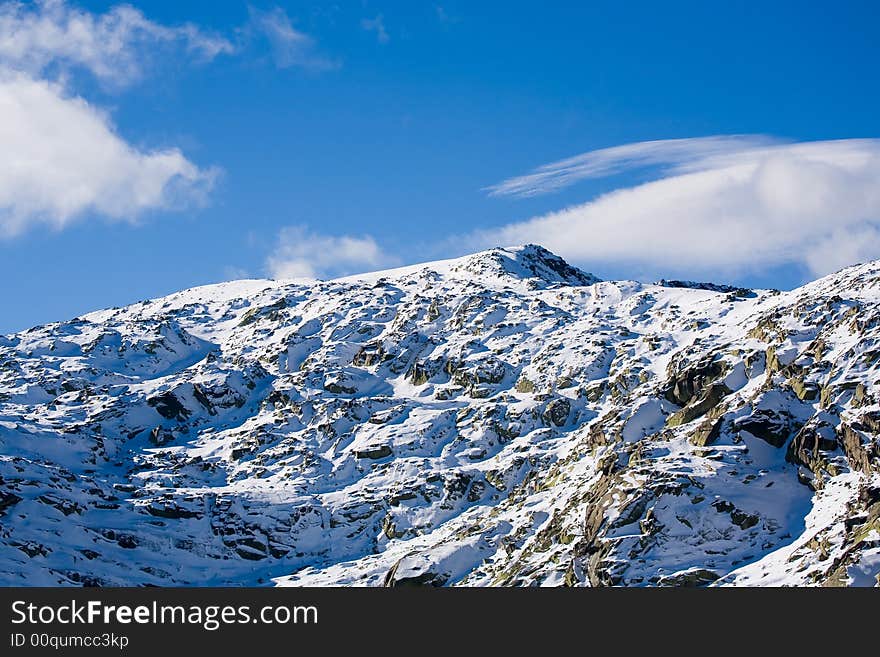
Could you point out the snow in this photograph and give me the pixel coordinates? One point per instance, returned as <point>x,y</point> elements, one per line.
<point>400,425</point>
<point>646,419</point>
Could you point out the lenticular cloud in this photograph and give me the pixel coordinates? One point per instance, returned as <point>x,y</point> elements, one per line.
<point>718,205</point>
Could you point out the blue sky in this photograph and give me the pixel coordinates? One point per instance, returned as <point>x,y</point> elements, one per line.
<point>323,139</point>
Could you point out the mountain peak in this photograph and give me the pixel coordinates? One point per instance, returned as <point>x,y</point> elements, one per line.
<point>529,261</point>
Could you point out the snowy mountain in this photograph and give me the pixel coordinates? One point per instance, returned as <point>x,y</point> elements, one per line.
<point>498,419</point>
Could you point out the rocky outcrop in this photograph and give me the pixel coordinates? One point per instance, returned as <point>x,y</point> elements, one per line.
<point>770,426</point>
<point>811,444</point>
<point>169,406</point>
<point>707,433</point>
<point>693,381</point>
<point>707,402</point>
<point>860,449</point>
<point>557,412</point>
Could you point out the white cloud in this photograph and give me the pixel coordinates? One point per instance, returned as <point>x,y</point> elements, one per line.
<point>726,206</point>
<point>290,47</point>
<point>301,253</point>
<point>376,25</point>
<point>675,154</point>
<point>60,159</point>
<point>113,46</point>
<point>116,45</point>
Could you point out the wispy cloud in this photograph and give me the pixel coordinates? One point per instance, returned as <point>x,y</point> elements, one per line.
<point>117,46</point>
<point>674,155</point>
<point>376,25</point>
<point>302,253</point>
<point>290,47</point>
<point>443,15</point>
<point>721,205</point>
<point>113,46</point>
<point>233,273</point>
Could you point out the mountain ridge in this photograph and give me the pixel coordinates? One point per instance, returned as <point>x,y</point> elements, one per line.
<point>497,419</point>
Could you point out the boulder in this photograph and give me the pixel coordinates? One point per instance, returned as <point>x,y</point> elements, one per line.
<point>713,396</point>
<point>377,452</point>
<point>557,412</point>
<point>771,427</point>
<point>169,406</point>
<point>692,382</point>
<point>707,433</point>
<point>805,391</point>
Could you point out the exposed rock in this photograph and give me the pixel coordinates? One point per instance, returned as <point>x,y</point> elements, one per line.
<point>524,385</point>
<point>693,381</point>
<point>861,397</point>
<point>594,393</point>
<point>712,397</point>
<point>557,412</point>
<point>861,451</point>
<point>413,571</point>
<point>707,433</point>
<point>67,507</point>
<point>423,579</point>
<point>805,391</point>
<point>169,406</point>
<point>808,444</point>
<point>338,389</point>
<point>418,374</point>
<point>160,436</point>
<point>170,509</point>
<point>690,578</point>
<point>870,422</point>
<point>370,355</point>
<point>7,500</point>
<point>770,426</point>
<point>379,452</point>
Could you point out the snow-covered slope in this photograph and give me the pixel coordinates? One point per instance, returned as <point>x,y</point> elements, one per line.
<point>499,419</point>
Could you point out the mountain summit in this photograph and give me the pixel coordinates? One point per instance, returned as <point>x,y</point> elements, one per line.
<point>526,262</point>
<point>498,419</point>
<point>530,264</point>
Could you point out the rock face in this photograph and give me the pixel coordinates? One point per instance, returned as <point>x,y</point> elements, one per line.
<point>499,419</point>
